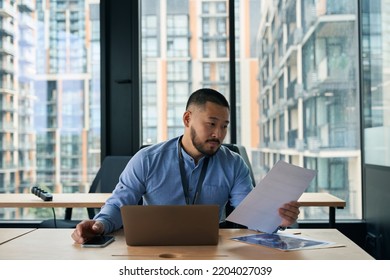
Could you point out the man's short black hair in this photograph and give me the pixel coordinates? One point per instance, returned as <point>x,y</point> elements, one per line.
<point>203,95</point>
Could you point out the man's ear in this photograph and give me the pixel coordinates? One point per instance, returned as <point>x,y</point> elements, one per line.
<point>186,118</point>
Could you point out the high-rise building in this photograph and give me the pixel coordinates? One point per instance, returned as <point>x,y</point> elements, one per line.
<point>49,96</point>
<point>185,46</point>
<point>309,97</point>
<point>66,94</point>
<point>17,137</point>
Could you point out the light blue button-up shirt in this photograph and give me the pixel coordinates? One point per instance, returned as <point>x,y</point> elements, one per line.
<point>153,174</point>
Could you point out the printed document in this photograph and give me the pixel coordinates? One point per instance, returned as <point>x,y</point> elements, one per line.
<point>283,183</point>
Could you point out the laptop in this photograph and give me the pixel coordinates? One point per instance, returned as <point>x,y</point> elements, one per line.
<point>167,225</point>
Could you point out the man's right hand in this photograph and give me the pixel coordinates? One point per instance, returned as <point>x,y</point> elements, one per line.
<point>87,229</point>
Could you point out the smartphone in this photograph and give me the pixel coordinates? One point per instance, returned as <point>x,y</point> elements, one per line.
<point>99,241</point>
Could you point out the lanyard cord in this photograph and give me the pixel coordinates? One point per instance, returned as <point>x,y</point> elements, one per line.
<point>184,179</point>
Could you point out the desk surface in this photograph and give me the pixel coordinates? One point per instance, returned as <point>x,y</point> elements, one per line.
<point>12,233</point>
<point>96,200</point>
<point>321,199</point>
<point>57,244</point>
<point>92,200</point>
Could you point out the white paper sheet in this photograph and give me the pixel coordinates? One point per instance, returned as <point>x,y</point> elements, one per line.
<point>283,183</point>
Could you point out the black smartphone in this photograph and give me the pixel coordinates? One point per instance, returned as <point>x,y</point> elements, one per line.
<point>99,241</point>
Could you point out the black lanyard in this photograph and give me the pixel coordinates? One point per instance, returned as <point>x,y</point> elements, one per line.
<point>184,179</point>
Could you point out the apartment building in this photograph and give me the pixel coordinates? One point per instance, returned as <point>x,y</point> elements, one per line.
<point>50,96</point>
<point>185,46</point>
<point>309,100</point>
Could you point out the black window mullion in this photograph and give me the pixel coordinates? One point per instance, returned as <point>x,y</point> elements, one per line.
<point>232,73</point>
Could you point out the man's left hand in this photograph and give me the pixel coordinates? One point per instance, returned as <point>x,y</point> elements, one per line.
<point>289,213</point>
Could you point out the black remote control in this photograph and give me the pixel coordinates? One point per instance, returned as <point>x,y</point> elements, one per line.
<point>42,194</point>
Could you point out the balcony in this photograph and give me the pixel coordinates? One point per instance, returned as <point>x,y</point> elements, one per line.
<point>7,166</point>
<point>7,9</point>
<point>7,127</point>
<point>7,47</point>
<point>26,5</point>
<point>6,27</point>
<point>277,145</point>
<point>7,146</point>
<point>7,106</point>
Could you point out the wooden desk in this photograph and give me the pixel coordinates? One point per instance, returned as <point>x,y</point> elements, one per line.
<point>89,200</point>
<point>97,200</point>
<point>8,234</point>
<point>56,244</point>
<point>323,199</point>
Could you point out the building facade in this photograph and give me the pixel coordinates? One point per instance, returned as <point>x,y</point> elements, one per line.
<point>185,46</point>
<point>309,94</point>
<point>50,97</point>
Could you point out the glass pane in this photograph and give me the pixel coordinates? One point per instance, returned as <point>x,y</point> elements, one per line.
<point>308,96</point>
<point>49,98</point>
<point>184,47</point>
<point>296,72</point>
<point>376,85</point>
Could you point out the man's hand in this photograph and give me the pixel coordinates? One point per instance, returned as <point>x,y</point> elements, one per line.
<point>289,213</point>
<point>87,229</point>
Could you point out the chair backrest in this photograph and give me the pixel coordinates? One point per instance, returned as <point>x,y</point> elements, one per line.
<point>229,208</point>
<point>108,174</point>
<point>107,177</point>
<point>242,152</point>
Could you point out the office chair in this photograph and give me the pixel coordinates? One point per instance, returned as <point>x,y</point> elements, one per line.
<point>104,182</point>
<point>229,208</point>
<point>242,152</point>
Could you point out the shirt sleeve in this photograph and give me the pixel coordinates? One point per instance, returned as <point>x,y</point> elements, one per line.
<point>128,191</point>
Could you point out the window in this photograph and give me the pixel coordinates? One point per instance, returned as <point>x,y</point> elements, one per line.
<point>221,27</point>
<point>296,87</point>
<point>177,71</point>
<point>57,96</point>
<point>205,7</point>
<point>221,7</point>
<point>206,27</point>
<point>376,84</point>
<point>149,25</point>
<point>221,51</point>
<point>206,48</point>
<point>281,87</point>
<point>177,25</point>
<point>206,71</point>
<point>177,47</point>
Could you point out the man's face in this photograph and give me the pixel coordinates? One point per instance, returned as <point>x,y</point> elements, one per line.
<point>208,127</point>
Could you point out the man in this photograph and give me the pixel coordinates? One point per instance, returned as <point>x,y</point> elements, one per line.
<point>191,169</point>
